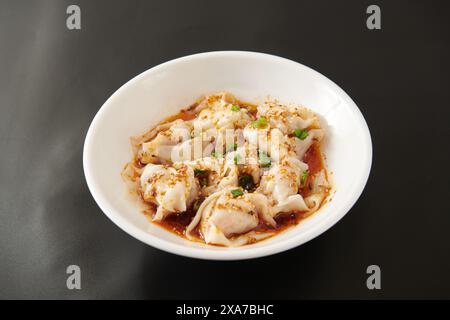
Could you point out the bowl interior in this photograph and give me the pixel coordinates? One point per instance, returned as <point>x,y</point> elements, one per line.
<point>164,90</point>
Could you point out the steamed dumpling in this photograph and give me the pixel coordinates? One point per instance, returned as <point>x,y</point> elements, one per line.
<point>228,217</point>
<point>219,113</point>
<point>286,118</point>
<point>301,146</point>
<point>281,184</point>
<point>223,215</point>
<point>221,173</point>
<point>319,185</point>
<point>171,189</point>
<point>159,150</point>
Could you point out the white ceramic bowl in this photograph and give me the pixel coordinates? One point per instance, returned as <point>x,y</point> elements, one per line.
<point>166,88</point>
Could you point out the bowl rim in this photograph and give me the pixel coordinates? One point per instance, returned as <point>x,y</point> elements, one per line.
<point>235,253</point>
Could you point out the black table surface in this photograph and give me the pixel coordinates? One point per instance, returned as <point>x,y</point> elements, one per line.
<point>54,80</point>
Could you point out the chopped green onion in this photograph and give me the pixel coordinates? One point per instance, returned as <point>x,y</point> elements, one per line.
<point>259,123</point>
<point>237,193</point>
<point>235,108</point>
<point>216,154</point>
<point>232,147</point>
<point>264,159</point>
<point>246,182</point>
<point>301,134</point>
<point>237,157</point>
<point>304,176</point>
<point>196,205</point>
<point>199,171</point>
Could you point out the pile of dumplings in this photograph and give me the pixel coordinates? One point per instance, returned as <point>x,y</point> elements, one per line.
<point>237,167</point>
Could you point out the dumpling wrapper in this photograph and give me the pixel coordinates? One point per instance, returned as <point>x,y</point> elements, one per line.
<point>160,148</point>
<point>287,118</point>
<point>217,113</point>
<point>221,173</point>
<point>172,190</point>
<point>301,146</point>
<point>281,184</point>
<point>221,216</point>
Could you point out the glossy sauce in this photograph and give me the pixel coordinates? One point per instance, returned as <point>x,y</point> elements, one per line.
<point>313,158</point>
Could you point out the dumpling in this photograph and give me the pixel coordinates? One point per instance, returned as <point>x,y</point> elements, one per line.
<point>246,161</point>
<point>228,177</point>
<point>159,150</point>
<point>222,215</point>
<point>281,183</point>
<point>228,217</point>
<point>286,118</point>
<point>273,143</point>
<point>257,138</point>
<point>220,173</point>
<point>301,146</point>
<point>137,141</point>
<point>318,191</point>
<point>221,114</point>
<point>262,206</point>
<point>192,149</point>
<point>172,189</point>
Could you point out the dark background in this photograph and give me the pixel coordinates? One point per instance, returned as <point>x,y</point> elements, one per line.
<point>53,81</point>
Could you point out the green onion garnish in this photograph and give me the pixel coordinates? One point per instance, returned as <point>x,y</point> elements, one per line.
<point>264,159</point>
<point>236,193</point>
<point>235,108</point>
<point>237,157</point>
<point>232,147</point>
<point>304,176</point>
<point>259,123</point>
<point>301,134</point>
